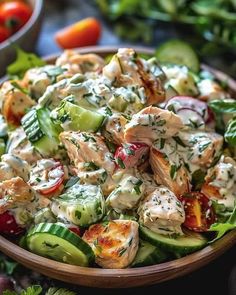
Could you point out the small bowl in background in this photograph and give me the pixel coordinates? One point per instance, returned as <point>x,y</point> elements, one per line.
<point>25,38</point>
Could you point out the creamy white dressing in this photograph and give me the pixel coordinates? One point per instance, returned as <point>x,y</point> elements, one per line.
<point>162,212</point>
<point>14,166</point>
<point>224,178</point>
<point>127,194</point>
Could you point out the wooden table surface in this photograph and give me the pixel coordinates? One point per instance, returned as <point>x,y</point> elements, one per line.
<point>220,275</point>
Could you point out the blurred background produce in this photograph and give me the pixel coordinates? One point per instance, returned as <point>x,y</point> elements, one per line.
<point>208,25</point>
<point>13,16</point>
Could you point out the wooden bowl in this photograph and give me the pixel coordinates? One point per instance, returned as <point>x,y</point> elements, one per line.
<point>130,277</point>
<point>25,38</point>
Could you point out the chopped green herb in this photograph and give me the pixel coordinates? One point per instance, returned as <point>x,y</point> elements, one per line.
<point>202,147</point>
<point>73,180</point>
<point>137,186</point>
<point>122,251</point>
<point>179,141</point>
<point>120,163</point>
<point>162,143</point>
<point>173,170</point>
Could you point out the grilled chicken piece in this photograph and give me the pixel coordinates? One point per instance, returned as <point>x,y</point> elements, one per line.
<point>220,182</point>
<point>12,166</point>
<point>126,69</point>
<point>36,80</point>
<point>14,192</point>
<point>164,173</point>
<point>162,212</point>
<point>75,63</point>
<point>85,147</point>
<point>19,146</point>
<point>204,147</point>
<point>14,103</point>
<point>152,123</point>
<point>114,128</point>
<point>115,244</point>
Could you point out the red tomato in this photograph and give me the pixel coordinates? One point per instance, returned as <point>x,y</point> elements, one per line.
<point>82,33</point>
<point>47,180</point>
<point>131,154</point>
<point>15,14</point>
<point>199,213</point>
<point>8,224</point>
<point>4,33</point>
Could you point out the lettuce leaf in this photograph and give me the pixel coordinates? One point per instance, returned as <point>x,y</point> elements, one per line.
<point>24,61</point>
<point>223,228</point>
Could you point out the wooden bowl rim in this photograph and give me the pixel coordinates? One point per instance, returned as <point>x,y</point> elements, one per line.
<point>188,263</point>
<point>37,10</point>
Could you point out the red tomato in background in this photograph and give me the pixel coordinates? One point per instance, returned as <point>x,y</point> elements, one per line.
<point>14,14</point>
<point>8,224</point>
<point>82,33</point>
<point>199,213</point>
<point>4,33</point>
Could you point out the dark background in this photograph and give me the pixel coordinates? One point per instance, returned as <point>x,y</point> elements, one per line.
<point>220,275</point>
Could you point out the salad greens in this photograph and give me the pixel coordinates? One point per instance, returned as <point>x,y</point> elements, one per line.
<point>37,290</point>
<point>222,228</point>
<point>227,106</point>
<point>24,61</point>
<point>213,20</point>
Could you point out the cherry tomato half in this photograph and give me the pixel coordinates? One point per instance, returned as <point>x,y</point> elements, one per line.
<point>199,213</point>
<point>15,14</point>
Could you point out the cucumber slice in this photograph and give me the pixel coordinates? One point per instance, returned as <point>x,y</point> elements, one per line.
<point>41,131</point>
<point>74,117</point>
<point>59,243</point>
<point>179,246</point>
<point>148,255</point>
<point>178,52</point>
<point>80,204</point>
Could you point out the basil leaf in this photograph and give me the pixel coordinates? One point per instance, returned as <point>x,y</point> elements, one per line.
<point>230,134</point>
<point>223,105</point>
<point>24,61</point>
